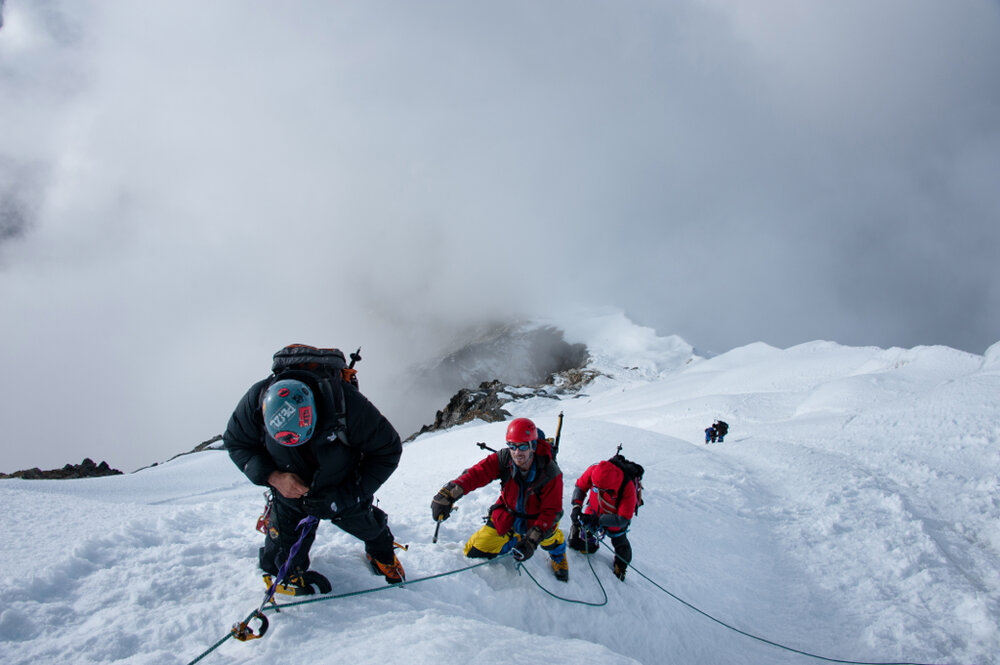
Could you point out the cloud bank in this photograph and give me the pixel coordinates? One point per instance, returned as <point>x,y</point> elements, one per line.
<point>184,188</point>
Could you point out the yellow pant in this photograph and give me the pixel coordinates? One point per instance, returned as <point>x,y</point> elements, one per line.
<point>487,543</point>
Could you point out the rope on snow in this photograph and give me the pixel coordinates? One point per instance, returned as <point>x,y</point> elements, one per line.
<point>520,567</point>
<point>745,633</point>
<point>276,607</point>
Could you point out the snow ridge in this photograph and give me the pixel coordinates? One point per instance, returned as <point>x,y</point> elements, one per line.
<point>852,512</point>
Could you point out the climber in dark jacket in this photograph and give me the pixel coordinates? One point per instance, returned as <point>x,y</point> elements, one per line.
<point>289,434</point>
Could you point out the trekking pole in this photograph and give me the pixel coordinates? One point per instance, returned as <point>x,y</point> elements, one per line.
<point>485,447</point>
<point>242,631</point>
<point>355,357</point>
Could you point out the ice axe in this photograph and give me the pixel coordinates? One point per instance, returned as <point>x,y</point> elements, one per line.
<point>555,443</point>
<point>436,529</point>
<point>350,374</point>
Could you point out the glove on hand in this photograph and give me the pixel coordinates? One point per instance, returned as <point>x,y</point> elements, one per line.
<point>574,515</point>
<point>524,549</point>
<point>328,505</point>
<point>443,501</point>
<point>321,506</point>
<point>590,521</point>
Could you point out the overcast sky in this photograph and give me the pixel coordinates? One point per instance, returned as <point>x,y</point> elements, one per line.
<point>186,186</point>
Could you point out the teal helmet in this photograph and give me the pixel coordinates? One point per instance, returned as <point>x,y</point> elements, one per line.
<point>289,412</point>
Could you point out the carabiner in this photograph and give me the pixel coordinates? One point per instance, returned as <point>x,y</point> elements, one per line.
<point>243,632</point>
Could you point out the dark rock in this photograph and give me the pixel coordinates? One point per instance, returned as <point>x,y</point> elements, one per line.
<point>487,402</point>
<point>86,469</point>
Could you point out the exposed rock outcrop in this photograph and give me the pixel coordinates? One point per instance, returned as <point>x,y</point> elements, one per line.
<point>86,469</point>
<point>487,402</point>
<point>508,362</point>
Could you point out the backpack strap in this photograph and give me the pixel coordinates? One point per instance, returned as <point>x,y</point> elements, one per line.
<point>546,471</point>
<point>332,392</point>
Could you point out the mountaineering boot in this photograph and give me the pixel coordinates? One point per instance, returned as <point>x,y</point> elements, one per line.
<point>561,569</point>
<point>300,584</point>
<point>393,572</point>
<point>620,570</point>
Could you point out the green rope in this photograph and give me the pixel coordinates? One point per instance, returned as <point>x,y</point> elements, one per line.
<point>213,647</point>
<point>520,567</point>
<point>743,632</point>
<point>277,607</point>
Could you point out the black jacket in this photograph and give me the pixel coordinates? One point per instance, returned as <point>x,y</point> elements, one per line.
<point>327,466</point>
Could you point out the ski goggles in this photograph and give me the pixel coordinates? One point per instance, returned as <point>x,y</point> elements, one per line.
<point>530,445</point>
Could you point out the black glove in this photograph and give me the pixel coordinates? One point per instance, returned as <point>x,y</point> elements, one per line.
<point>590,520</point>
<point>443,501</point>
<point>574,515</point>
<point>319,505</point>
<point>524,549</point>
<point>331,503</point>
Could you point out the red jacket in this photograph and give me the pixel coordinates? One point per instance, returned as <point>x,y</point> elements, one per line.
<point>538,499</point>
<point>603,481</point>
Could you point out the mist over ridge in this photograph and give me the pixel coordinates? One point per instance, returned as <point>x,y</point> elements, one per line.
<point>190,187</point>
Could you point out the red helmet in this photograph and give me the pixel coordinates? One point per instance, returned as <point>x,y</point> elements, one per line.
<point>522,430</point>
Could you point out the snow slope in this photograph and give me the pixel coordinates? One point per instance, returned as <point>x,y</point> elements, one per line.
<point>852,513</point>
